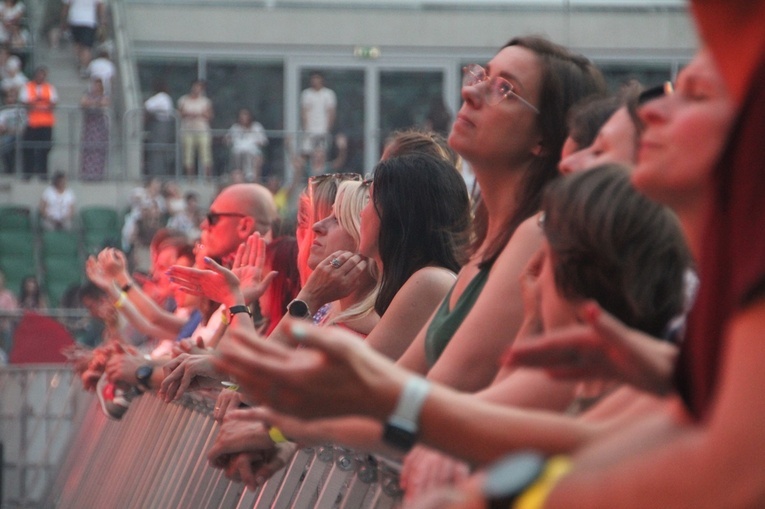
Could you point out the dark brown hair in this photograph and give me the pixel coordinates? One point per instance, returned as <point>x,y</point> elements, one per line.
<point>612,244</point>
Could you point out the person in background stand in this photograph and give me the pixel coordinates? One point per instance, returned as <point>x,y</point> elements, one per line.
<point>160,127</point>
<point>196,112</point>
<point>247,139</point>
<point>95,131</point>
<point>318,108</point>
<point>40,98</point>
<point>57,204</point>
<point>83,17</point>
<point>12,123</point>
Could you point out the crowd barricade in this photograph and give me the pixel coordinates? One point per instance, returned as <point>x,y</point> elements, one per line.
<point>40,408</point>
<point>155,457</point>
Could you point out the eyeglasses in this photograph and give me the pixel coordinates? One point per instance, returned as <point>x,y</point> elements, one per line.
<point>498,88</point>
<point>652,93</point>
<point>214,217</point>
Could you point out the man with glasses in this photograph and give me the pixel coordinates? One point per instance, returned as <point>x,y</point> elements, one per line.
<point>237,212</point>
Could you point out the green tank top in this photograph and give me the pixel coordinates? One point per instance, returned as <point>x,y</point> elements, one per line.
<point>445,322</point>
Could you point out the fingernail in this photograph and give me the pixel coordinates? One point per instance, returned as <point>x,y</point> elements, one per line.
<point>299,332</point>
<point>207,259</point>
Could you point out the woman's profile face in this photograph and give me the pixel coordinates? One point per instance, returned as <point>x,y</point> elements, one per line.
<point>506,133</point>
<point>329,237</point>
<point>615,143</point>
<point>370,228</point>
<point>684,134</point>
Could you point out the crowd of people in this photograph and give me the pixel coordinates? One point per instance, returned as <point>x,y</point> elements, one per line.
<point>585,334</point>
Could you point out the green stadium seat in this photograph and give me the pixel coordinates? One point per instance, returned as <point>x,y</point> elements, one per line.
<point>60,244</point>
<point>15,269</point>
<point>101,219</point>
<point>17,243</point>
<point>15,218</point>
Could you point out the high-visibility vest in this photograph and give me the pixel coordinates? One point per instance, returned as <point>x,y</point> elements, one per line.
<point>40,113</point>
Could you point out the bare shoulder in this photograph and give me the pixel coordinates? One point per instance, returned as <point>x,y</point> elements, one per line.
<point>526,241</point>
<point>431,277</point>
<point>427,285</point>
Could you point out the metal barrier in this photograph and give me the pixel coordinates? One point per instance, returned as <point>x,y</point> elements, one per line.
<point>66,154</point>
<point>40,406</point>
<point>155,457</point>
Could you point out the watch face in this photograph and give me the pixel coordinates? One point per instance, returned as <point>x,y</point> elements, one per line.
<point>510,476</point>
<point>298,309</point>
<point>398,437</point>
<point>143,373</point>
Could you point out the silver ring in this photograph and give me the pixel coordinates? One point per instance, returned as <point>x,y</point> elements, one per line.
<point>335,263</point>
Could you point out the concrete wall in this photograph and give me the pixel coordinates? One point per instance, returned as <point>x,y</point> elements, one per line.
<point>596,31</point>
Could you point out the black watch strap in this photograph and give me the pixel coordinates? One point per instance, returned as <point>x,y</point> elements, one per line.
<point>238,309</point>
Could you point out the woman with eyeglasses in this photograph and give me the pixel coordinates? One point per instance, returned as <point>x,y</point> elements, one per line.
<point>510,129</point>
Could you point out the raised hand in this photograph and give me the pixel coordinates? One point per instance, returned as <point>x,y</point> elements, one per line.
<point>249,267</point>
<point>97,275</point>
<point>217,283</point>
<point>113,262</point>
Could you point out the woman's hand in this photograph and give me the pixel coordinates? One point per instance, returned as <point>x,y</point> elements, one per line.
<point>426,469</point>
<point>188,372</point>
<point>337,276</point>
<point>336,374</point>
<point>227,400</point>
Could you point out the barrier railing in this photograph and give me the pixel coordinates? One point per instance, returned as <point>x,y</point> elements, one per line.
<point>155,457</point>
<point>40,406</point>
<point>67,152</point>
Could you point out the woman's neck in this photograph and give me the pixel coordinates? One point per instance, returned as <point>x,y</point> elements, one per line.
<point>499,191</point>
<point>693,220</point>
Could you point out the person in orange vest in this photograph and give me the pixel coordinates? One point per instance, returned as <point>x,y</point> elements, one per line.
<point>40,98</point>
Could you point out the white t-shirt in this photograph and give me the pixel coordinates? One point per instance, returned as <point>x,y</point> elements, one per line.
<point>160,105</point>
<point>83,12</point>
<point>57,205</point>
<point>9,14</point>
<point>317,106</point>
<point>103,69</point>
<point>247,139</point>
<point>10,82</point>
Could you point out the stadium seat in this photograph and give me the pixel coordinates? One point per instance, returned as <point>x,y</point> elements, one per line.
<point>15,218</point>
<point>17,244</point>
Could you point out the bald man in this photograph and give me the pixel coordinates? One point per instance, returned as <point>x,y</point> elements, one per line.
<point>237,212</point>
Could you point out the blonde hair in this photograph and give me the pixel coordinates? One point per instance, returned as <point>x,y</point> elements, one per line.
<point>350,200</point>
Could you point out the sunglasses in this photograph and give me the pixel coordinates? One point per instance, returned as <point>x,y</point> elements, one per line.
<point>652,93</point>
<point>214,217</point>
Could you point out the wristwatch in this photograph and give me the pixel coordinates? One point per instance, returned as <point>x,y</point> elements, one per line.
<point>402,426</point>
<point>238,309</point>
<point>143,374</point>
<point>298,309</point>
